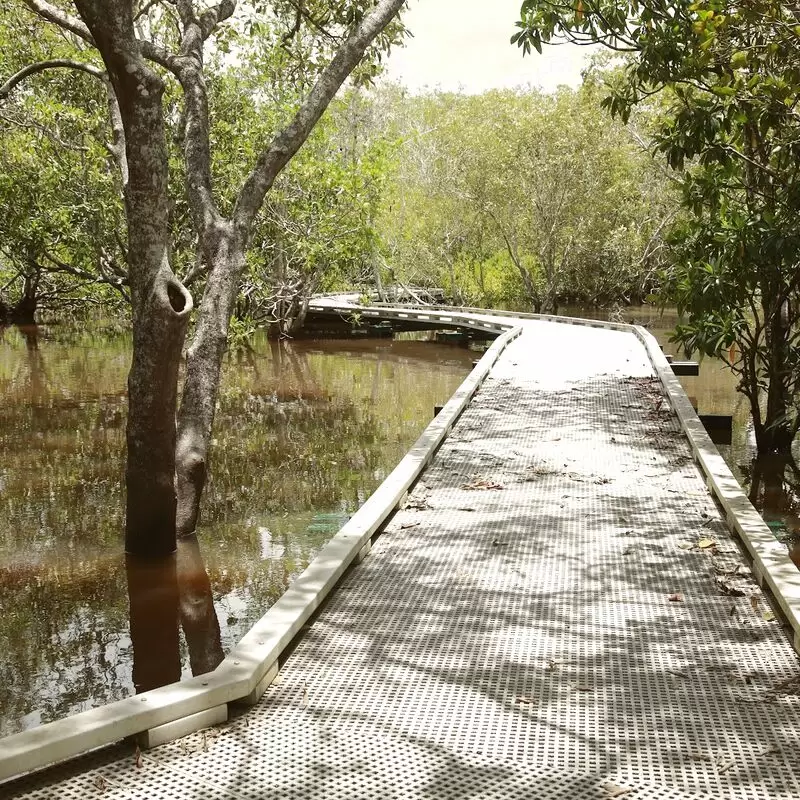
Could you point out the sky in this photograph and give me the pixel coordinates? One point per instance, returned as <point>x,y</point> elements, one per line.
<point>463,45</point>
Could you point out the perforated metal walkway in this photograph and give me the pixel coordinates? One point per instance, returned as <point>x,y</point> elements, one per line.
<point>538,622</point>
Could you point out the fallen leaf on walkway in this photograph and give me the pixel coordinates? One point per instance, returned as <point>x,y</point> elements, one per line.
<point>418,504</point>
<point>137,757</point>
<point>540,471</point>
<point>583,687</point>
<point>685,545</point>
<point>704,544</point>
<point>791,686</point>
<point>726,587</point>
<point>724,766</point>
<point>768,616</point>
<point>677,672</point>
<point>677,597</point>
<point>754,601</point>
<point>100,783</point>
<point>616,791</point>
<point>524,701</point>
<point>482,484</point>
<point>304,701</point>
<point>465,508</point>
<point>406,525</point>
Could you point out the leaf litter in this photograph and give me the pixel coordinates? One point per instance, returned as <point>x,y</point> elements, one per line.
<point>482,484</point>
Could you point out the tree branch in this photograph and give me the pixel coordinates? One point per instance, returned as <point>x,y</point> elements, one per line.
<point>58,17</point>
<point>188,68</point>
<point>117,147</point>
<point>303,14</point>
<point>216,15</point>
<point>118,282</point>
<point>41,66</point>
<point>27,124</point>
<point>145,8</point>
<point>291,138</point>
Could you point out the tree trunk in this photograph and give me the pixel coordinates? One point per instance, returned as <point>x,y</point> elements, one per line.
<point>299,313</point>
<point>776,433</point>
<point>160,304</point>
<point>767,483</point>
<point>549,304</point>
<point>159,328</point>
<point>166,469</point>
<point>376,274</point>
<point>224,252</point>
<point>550,299</point>
<point>23,312</point>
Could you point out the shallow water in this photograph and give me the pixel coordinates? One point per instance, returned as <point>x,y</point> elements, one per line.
<point>304,433</point>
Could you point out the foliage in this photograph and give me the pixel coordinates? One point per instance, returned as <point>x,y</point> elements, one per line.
<point>317,230</point>
<point>60,194</point>
<point>61,211</point>
<point>568,197</point>
<point>731,131</point>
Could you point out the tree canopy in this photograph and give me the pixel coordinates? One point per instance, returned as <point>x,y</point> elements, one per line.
<point>524,197</point>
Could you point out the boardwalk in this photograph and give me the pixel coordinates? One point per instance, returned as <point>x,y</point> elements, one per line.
<point>538,621</point>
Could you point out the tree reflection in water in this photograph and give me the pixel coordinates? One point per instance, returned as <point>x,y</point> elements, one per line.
<point>196,608</point>
<point>153,601</point>
<point>166,595</point>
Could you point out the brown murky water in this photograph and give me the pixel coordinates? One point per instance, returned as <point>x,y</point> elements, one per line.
<point>305,432</point>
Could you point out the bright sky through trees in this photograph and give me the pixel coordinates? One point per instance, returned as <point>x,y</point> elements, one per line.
<point>464,44</point>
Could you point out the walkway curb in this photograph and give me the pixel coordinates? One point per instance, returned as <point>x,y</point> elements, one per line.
<point>772,567</point>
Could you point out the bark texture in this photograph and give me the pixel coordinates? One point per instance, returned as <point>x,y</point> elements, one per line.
<point>225,256</point>
<point>161,305</point>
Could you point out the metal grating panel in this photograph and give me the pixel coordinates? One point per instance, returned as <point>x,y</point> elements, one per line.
<point>511,635</point>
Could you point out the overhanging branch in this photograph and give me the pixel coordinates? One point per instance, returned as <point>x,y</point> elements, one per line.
<point>275,157</point>
<point>59,17</point>
<point>41,66</point>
